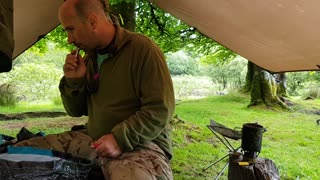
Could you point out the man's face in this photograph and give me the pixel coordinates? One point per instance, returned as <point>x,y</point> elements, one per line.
<point>78,31</point>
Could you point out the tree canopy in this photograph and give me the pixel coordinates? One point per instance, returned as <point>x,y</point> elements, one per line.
<point>170,33</point>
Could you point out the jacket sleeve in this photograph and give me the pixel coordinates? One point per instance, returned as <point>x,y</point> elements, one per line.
<point>154,87</point>
<point>74,96</point>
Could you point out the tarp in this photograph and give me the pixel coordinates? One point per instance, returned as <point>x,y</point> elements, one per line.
<point>276,35</point>
<point>32,20</point>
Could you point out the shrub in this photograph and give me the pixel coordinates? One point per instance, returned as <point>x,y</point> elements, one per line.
<point>188,87</point>
<point>228,75</point>
<point>295,82</point>
<point>313,92</point>
<point>37,81</point>
<point>7,95</point>
<point>57,100</point>
<point>181,64</point>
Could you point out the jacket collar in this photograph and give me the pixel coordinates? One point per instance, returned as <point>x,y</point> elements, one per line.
<point>118,41</point>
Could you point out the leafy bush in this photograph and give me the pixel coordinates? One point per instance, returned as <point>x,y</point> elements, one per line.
<point>295,82</point>
<point>7,95</point>
<point>188,87</point>
<point>313,92</point>
<point>38,82</point>
<point>57,100</point>
<point>181,64</point>
<point>36,76</point>
<point>228,75</point>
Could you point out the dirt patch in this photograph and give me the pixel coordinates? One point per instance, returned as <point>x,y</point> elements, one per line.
<point>20,116</point>
<point>46,125</point>
<point>315,111</point>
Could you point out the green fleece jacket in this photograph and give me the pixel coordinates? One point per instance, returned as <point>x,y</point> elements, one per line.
<point>135,98</point>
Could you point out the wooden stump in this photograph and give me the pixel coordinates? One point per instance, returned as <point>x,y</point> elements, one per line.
<point>258,169</point>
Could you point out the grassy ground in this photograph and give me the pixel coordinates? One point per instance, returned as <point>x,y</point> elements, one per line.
<point>291,141</point>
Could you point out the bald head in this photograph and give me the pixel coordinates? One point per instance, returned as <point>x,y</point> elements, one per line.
<point>85,22</point>
<point>83,8</point>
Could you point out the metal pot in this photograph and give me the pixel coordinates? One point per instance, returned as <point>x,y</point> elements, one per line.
<point>252,139</point>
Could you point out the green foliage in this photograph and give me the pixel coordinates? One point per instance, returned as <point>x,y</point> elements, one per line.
<point>59,37</point>
<point>303,83</point>
<point>40,46</point>
<point>295,82</point>
<point>57,100</point>
<point>171,34</point>
<point>112,2</point>
<point>228,74</point>
<point>36,81</point>
<point>7,95</point>
<point>160,26</point>
<point>316,75</point>
<point>186,87</point>
<point>219,56</point>
<point>312,92</point>
<point>179,63</point>
<point>35,76</point>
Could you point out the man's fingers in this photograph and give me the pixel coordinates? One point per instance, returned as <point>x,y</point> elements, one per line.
<point>101,152</point>
<point>106,146</point>
<point>71,58</point>
<point>70,63</point>
<point>106,154</point>
<point>69,66</point>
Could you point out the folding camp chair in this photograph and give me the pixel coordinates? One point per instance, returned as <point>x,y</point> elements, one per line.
<point>223,134</point>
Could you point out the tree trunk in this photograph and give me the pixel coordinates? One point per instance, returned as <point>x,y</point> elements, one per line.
<point>125,13</point>
<point>261,169</point>
<point>281,85</point>
<point>263,87</point>
<point>249,77</point>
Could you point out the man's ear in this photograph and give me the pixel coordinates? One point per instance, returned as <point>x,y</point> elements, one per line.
<point>93,21</point>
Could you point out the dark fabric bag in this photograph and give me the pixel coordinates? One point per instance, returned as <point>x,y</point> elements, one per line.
<point>39,164</point>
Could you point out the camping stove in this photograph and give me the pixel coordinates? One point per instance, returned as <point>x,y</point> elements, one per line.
<point>251,140</point>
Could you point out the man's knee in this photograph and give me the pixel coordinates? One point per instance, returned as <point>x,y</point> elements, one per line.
<point>74,142</point>
<point>139,164</point>
<point>126,171</point>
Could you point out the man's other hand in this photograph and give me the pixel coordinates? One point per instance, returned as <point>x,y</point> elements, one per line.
<point>107,146</point>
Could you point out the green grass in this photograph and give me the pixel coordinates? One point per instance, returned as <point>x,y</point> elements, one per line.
<point>291,141</point>
<point>23,107</point>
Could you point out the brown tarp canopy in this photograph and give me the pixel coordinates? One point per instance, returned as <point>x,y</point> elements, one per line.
<point>32,20</point>
<point>277,35</point>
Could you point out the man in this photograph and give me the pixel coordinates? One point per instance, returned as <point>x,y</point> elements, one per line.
<point>124,86</point>
<point>6,37</point>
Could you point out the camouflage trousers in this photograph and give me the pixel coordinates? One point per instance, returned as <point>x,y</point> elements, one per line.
<point>146,162</point>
